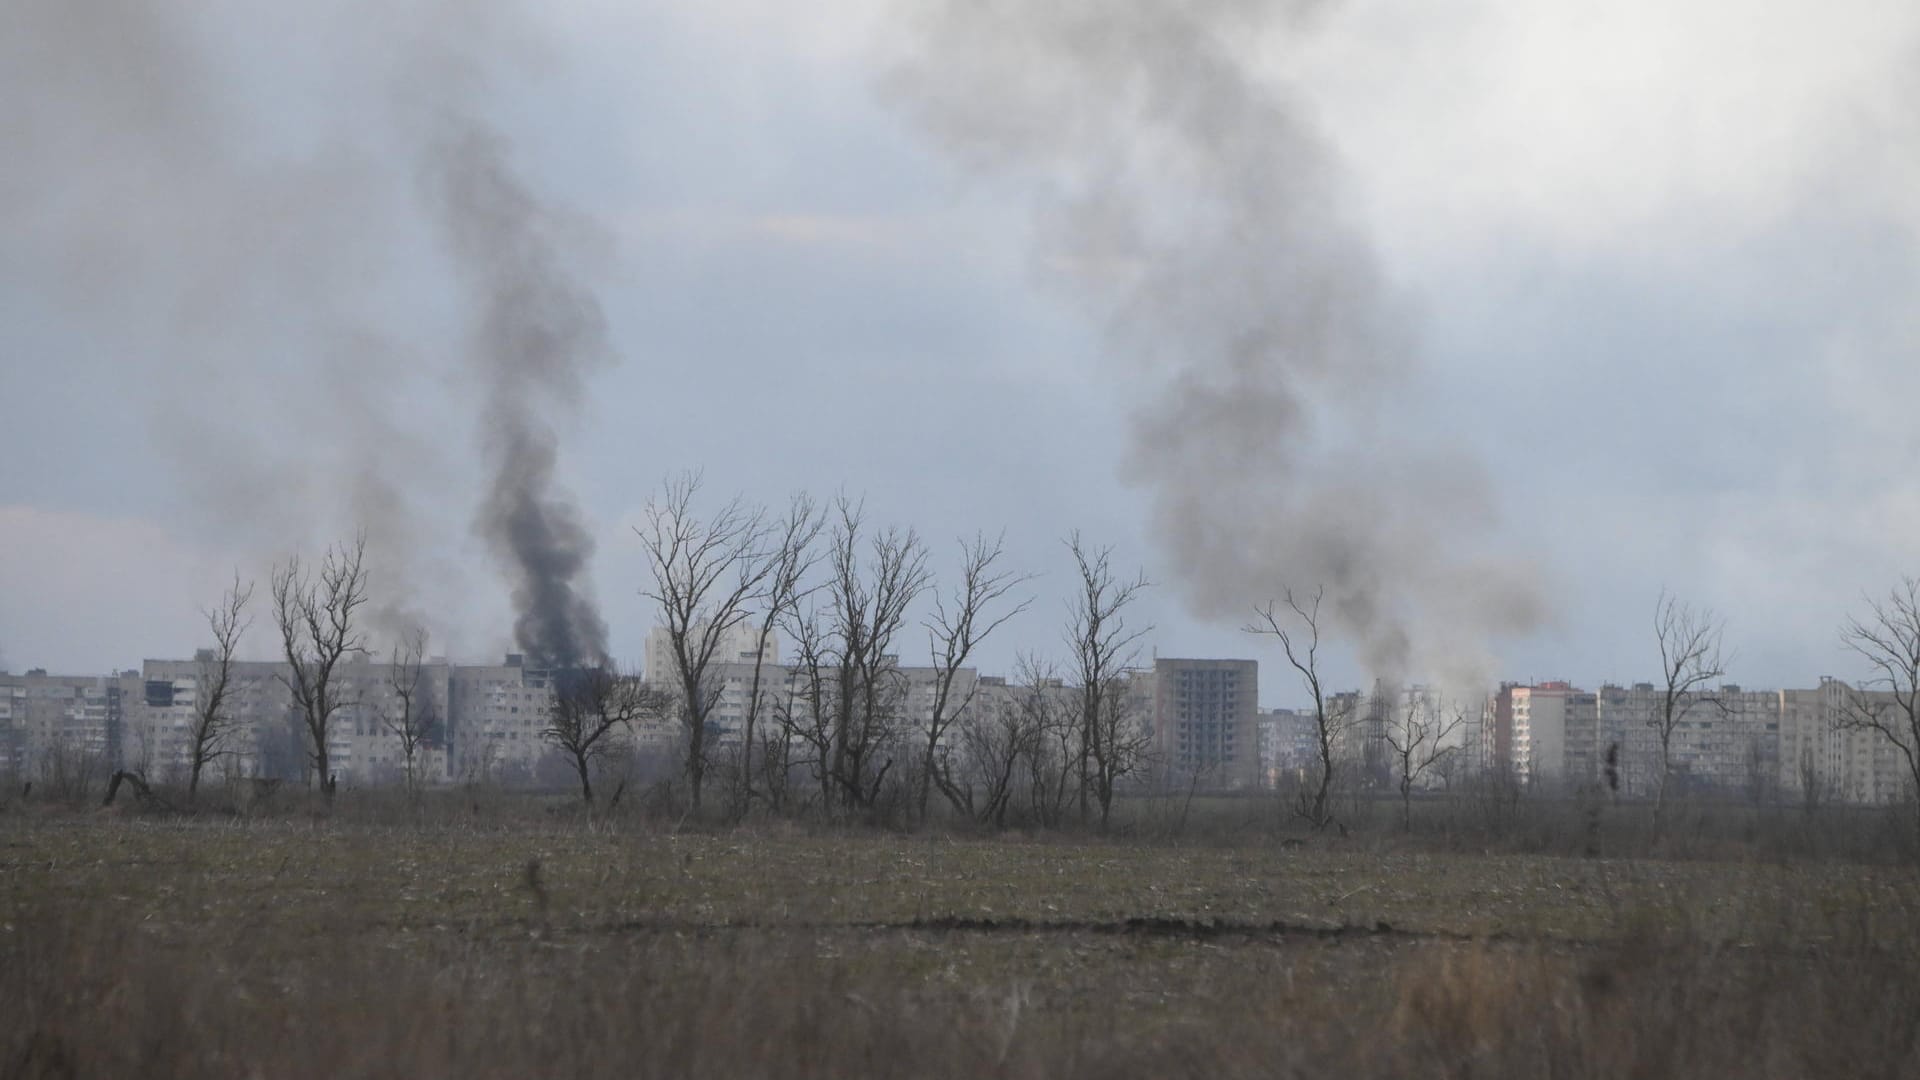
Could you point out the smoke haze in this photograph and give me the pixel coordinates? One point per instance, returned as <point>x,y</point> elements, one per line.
<point>1193,208</point>
<point>315,288</point>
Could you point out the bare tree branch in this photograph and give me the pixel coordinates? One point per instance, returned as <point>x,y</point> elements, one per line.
<point>868,600</point>
<point>1887,703</point>
<point>589,705</point>
<point>958,625</point>
<point>213,723</point>
<point>1690,662</point>
<point>791,557</point>
<point>317,633</point>
<point>416,723</point>
<point>706,574</point>
<point>1103,648</point>
<point>1419,742</point>
<point>1299,636</point>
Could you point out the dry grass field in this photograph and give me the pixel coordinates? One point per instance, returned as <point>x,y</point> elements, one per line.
<point>530,944</point>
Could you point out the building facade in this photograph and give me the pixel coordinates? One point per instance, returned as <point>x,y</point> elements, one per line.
<point>1206,719</point>
<point>64,725</point>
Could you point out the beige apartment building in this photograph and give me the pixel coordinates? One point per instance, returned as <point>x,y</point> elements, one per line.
<point>1206,719</point>
<point>1821,757</point>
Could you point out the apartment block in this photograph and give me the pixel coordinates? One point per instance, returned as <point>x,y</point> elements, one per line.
<point>1553,733</point>
<point>60,721</point>
<point>1289,743</point>
<point>1823,758</point>
<point>1725,739</point>
<point>1205,719</point>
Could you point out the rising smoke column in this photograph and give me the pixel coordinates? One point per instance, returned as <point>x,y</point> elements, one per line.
<point>1196,212</point>
<point>539,331</point>
<point>265,277</point>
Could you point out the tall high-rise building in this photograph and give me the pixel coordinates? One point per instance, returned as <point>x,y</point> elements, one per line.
<point>1205,719</point>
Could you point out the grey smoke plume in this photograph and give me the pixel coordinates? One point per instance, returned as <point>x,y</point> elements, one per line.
<point>227,285</point>
<point>1196,211</point>
<point>540,331</point>
<point>226,203</point>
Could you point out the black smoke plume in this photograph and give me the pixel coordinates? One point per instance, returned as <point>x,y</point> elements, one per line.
<point>539,331</point>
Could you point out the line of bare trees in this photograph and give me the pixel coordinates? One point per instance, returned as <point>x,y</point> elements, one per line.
<point>843,729</point>
<point>839,728</point>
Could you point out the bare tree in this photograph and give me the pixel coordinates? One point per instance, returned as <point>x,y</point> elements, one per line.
<point>416,720</point>
<point>790,558</point>
<point>1690,661</point>
<point>958,625</point>
<point>806,713</point>
<point>1122,739</point>
<point>1887,703</point>
<point>707,573</point>
<point>1299,635</point>
<point>1103,648</point>
<point>213,721</point>
<point>589,706</point>
<point>316,618</point>
<point>1052,761</point>
<point>868,600</point>
<point>1418,740</point>
<point>995,740</point>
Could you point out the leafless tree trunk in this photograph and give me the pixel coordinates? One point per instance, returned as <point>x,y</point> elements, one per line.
<point>1301,643</point>
<point>416,723</point>
<point>1887,703</point>
<point>706,576</point>
<point>1690,660</point>
<point>868,603</point>
<point>1054,763</point>
<point>589,705</point>
<point>1419,743</point>
<point>317,632</point>
<point>212,721</point>
<point>807,712</point>
<point>1103,648</point>
<point>958,625</point>
<point>1123,741</point>
<point>791,558</point>
<point>995,740</point>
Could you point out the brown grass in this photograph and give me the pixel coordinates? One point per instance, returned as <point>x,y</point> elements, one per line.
<point>292,948</point>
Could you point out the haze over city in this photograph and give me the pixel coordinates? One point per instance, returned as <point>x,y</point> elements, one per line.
<point>1621,300</point>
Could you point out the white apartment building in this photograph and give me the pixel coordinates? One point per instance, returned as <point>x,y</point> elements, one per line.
<point>49,721</point>
<point>1726,739</point>
<point>1817,750</point>
<point>268,736</point>
<point>1555,733</point>
<point>738,644</point>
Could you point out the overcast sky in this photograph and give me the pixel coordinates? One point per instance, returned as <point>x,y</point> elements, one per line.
<point>1651,268</point>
